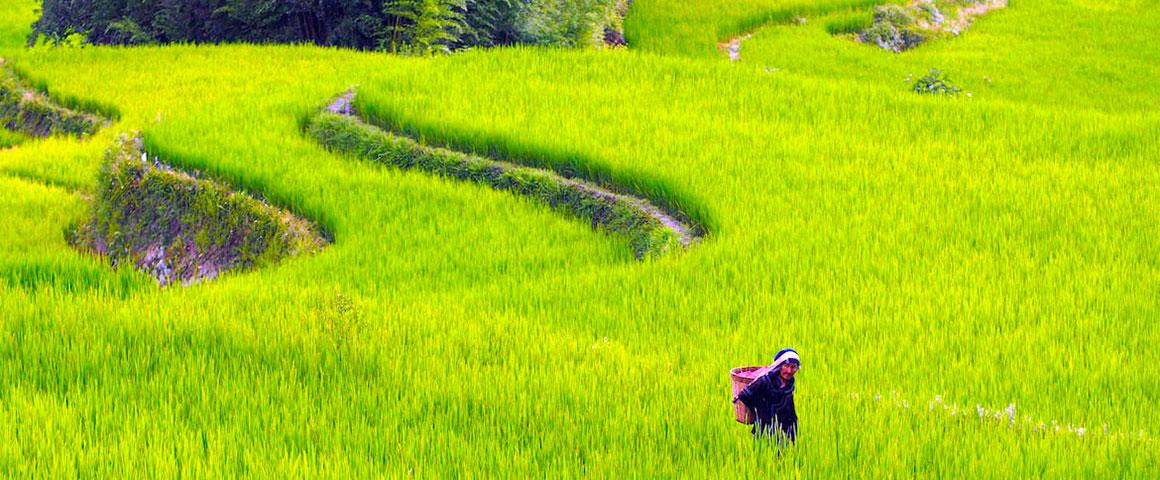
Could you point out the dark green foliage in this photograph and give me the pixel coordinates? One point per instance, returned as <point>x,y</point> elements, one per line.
<point>404,26</point>
<point>348,23</point>
<point>423,27</point>
<point>559,22</point>
<point>648,235</point>
<point>32,113</point>
<point>181,229</point>
<point>936,84</point>
<point>488,23</point>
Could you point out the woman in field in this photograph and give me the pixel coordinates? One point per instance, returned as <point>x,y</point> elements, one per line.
<point>771,398</point>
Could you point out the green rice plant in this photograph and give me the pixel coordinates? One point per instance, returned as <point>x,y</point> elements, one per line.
<point>694,28</point>
<point>936,262</point>
<point>851,23</point>
<point>8,138</point>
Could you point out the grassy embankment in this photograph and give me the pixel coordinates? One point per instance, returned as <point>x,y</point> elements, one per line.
<point>993,250</point>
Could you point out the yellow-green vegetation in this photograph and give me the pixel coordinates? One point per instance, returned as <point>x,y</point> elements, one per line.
<point>1057,57</point>
<point>694,28</point>
<point>9,138</point>
<point>954,270</point>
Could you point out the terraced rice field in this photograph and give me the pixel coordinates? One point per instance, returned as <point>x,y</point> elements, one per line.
<point>962,275</point>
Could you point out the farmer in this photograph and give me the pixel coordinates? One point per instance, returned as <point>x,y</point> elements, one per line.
<point>771,397</point>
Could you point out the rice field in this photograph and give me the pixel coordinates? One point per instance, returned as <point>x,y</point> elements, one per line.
<point>972,281</point>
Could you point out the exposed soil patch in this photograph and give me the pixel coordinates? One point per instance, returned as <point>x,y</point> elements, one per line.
<point>651,230</point>
<point>183,229</point>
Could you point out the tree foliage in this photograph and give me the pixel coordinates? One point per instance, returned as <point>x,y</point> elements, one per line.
<point>403,26</point>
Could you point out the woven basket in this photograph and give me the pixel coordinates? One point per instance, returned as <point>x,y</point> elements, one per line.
<point>742,377</point>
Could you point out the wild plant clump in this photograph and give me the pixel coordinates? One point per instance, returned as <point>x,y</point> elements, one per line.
<point>935,83</point>
<point>893,29</point>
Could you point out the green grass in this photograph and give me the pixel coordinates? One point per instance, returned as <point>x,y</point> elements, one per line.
<point>8,138</point>
<point>1064,56</point>
<point>694,28</point>
<point>991,250</point>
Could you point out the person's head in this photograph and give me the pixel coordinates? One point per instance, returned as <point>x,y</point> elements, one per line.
<point>786,363</point>
<point>787,370</point>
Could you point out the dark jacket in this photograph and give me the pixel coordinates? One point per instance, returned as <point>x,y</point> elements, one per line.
<point>773,405</point>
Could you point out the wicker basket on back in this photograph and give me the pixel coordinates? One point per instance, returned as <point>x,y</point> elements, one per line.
<point>741,377</point>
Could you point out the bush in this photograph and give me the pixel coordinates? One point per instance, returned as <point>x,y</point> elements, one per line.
<point>902,27</point>
<point>935,84</point>
<point>893,29</point>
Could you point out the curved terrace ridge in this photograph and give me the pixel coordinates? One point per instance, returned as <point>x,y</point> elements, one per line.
<point>652,231</point>
<point>29,112</point>
<point>179,228</point>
